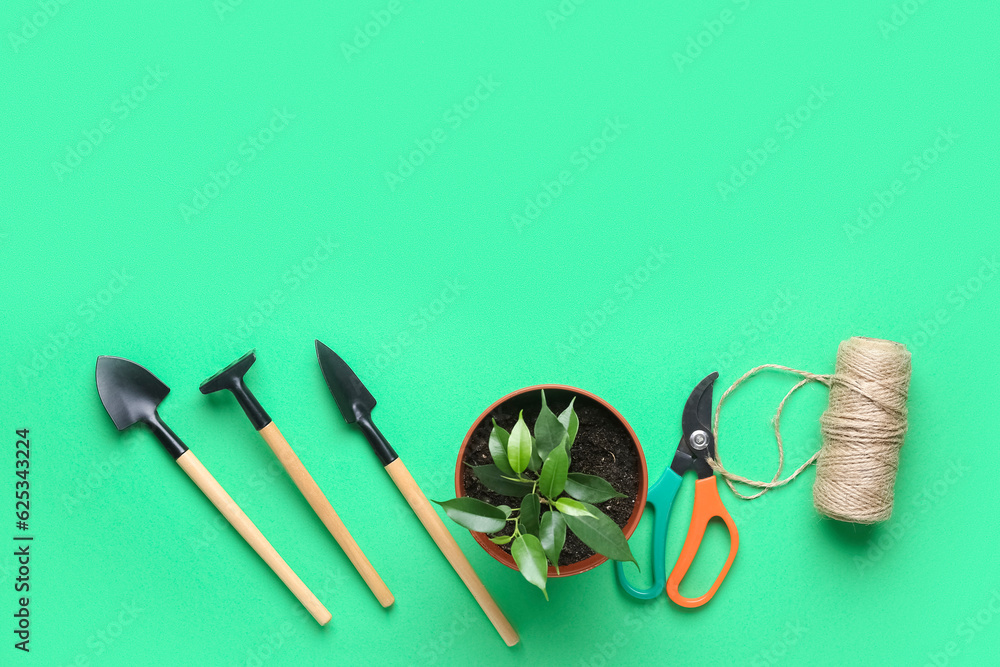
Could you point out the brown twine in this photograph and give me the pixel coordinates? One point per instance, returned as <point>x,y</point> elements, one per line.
<point>862,427</point>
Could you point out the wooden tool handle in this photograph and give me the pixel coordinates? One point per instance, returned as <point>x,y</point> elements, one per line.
<point>307,485</point>
<point>446,543</point>
<point>244,526</point>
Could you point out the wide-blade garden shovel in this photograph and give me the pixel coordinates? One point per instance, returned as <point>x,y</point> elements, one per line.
<point>356,403</point>
<point>131,394</point>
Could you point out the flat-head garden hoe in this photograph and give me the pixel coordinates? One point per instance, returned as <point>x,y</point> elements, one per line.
<point>231,378</point>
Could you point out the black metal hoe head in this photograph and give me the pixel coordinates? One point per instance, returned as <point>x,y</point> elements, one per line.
<point>131,394</point>
<point>231,378</point>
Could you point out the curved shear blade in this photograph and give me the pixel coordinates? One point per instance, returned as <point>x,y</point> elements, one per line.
<point>698,409</point>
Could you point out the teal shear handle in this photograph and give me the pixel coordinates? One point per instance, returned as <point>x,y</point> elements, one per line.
<point>661,497</point>
<point>695,453</point>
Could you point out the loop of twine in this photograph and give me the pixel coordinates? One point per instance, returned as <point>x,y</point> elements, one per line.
<point>862,429</point>
<point>716,463</point>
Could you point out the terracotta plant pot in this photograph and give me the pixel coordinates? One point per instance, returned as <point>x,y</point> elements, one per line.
<point>640,499</point>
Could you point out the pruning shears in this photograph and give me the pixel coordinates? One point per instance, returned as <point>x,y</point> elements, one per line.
<point>696,447</point>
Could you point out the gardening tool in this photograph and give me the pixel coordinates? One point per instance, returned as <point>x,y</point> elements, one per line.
<point>696,447</point>
<point>131,394</point>
<point>356,403</point>
<point>231,378</point>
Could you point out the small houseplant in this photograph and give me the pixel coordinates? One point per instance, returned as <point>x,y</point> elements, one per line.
<point>528,499</point>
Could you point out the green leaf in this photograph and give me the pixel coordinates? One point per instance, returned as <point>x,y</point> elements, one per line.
<point>535,464</point>
<point>552,535</point>
<point>601,534</point>
<point>548,431</point>
<point>570,507</point>
<point>493,479</point>
<point>528,519</point>
<point>498,448</point>
<point>590,488</point>
<point>505,509</point>
<point>553,477</point>
<point>474,514</point>
<point>530,558</point>
<point>519,445</point>
<point>501,539</point>
<point>571,423</point>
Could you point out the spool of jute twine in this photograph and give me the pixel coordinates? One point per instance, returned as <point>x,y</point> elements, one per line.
<point>862,428</point>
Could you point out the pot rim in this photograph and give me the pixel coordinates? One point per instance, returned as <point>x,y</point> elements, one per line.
<point>590,562</point>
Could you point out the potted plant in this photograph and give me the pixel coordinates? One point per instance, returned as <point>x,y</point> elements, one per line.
<point>551,480</point>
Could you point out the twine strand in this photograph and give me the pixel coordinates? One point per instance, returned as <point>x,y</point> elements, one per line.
<point>776,420</point>
<point>862,428</point>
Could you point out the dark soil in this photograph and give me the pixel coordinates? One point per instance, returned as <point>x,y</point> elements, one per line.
<point>603,447</point>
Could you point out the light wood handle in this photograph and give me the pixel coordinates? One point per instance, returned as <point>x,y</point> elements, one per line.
<point>244,526</point>
<point>446,543</point>
<point>307,485</point>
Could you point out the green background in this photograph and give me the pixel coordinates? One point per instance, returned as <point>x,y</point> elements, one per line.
<point>637,278</point>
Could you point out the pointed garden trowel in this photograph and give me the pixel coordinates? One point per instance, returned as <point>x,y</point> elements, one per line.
<point>356,403</point>
<point>231,378</point>
<point>131,394</point>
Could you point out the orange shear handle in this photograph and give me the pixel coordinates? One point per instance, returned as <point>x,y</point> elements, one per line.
<point>707,506</point>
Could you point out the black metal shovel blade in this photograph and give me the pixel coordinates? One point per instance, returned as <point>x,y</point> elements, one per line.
<point>129,392</point>
<point>353,399</point>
